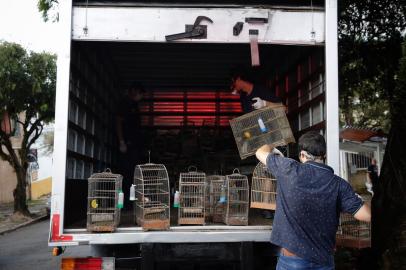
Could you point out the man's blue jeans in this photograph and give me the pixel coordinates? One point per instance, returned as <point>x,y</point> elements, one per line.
<point>296,263</point>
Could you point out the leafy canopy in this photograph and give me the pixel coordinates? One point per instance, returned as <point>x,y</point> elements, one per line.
<point>27,82</point>
<point>370,37</point>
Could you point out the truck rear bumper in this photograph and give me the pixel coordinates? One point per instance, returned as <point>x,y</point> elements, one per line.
<point>184,234</point>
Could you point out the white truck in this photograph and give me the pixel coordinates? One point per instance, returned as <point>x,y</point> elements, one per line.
<point>106,45</point>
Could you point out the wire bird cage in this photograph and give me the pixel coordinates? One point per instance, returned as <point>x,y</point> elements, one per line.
<point>236,212</point>
<point>216,193</point>
<point>152,203</point>
<point>353,233</point>
<point>263,126</point>
<point>263,188</point>
<point>103,214</point>
<point>192,187</point>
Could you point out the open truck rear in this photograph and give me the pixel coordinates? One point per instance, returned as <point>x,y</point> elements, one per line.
<point>185,113</point>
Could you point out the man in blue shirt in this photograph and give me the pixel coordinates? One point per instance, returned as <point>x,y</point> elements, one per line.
<point>309,201</point>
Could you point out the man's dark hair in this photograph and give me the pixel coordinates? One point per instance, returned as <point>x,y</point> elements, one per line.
<point>136,86</point>
<point>249,74</point>
<point>313,143</point>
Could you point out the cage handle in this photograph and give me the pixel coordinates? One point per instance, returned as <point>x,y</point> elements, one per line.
<point>236,170</point>
<point>107,170</point>
<point>192,168</point>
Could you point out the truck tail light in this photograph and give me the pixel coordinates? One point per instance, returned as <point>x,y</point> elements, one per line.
<point>105,263</point>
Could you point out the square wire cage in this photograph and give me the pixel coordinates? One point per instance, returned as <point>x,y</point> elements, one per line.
<point>263,126</point>
<point>263,188</point>
<point>353,233</point>
<point>192,202</point>
<point>216,194</point>
<point>103,214</point>
<point>237,206</point>
<point>152,205</point>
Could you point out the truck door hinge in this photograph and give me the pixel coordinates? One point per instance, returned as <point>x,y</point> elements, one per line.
<point>195,31</point>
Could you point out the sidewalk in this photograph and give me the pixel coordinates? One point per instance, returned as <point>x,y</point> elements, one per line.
<point>8,222</point>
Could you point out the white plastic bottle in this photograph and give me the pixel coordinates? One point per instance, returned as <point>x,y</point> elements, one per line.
<point>176,199</point>
<point>223,196</point>
<point>132,192</point>
<point>262,125</point>
<point>120,202</point>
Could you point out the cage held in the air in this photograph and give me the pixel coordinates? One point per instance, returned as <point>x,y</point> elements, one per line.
<point>263,126</point>
<point>103,212</point>
<point>152,204</point>
<point>237,205</point>
<point>263,188</point>
<point>192,188</point>
<point>216,198</point>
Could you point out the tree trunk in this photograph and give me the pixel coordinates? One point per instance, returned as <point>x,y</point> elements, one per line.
<point>20,196</point>
<point>389,203</point>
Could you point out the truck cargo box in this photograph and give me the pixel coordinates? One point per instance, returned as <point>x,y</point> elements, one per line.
<point>187,106</point>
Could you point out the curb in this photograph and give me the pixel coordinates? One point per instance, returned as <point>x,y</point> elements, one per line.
<point>40,218</point>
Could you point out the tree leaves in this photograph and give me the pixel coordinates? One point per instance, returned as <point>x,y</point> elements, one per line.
<point>48,9</point>
<point>27,81</point>
<point>370,34</point>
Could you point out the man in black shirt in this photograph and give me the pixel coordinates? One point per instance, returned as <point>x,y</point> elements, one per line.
<point>128,124</point>
<point>254,93</point>
<point>372,175</point>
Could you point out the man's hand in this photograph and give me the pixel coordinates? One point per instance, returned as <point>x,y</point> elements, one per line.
<point>258,103</point>
<point>263,152</point>
<point>123,147</point>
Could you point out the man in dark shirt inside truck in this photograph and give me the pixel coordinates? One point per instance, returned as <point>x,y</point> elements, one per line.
<point>251,86</point>
<point>308,205</point>
<point>128,125</point>
<point>254,94</point>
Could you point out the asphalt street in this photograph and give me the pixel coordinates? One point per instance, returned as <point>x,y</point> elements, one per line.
<point>27,249</point>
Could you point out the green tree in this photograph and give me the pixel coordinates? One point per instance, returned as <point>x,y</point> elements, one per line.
<point>370,47</point>
<point>27,85</point>
<point>370,37</point>
<point>48,9</point>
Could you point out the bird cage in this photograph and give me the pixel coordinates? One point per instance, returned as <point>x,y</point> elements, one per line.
<point>263,188</point>
<point>152,203</point>
<point>236,212</point>
<point>263,126</point>
<point>192,188</point>
<point>353,233</point>
<point>103,214</point>
<point>216,197</point>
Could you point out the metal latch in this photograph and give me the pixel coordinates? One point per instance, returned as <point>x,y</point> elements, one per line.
<point>196,30</point>
<point>238,28</point>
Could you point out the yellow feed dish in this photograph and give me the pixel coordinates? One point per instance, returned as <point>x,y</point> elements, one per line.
<point>247,135</point>
<point>94,203</point>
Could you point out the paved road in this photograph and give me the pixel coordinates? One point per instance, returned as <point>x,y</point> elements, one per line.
<point>27,249</point>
